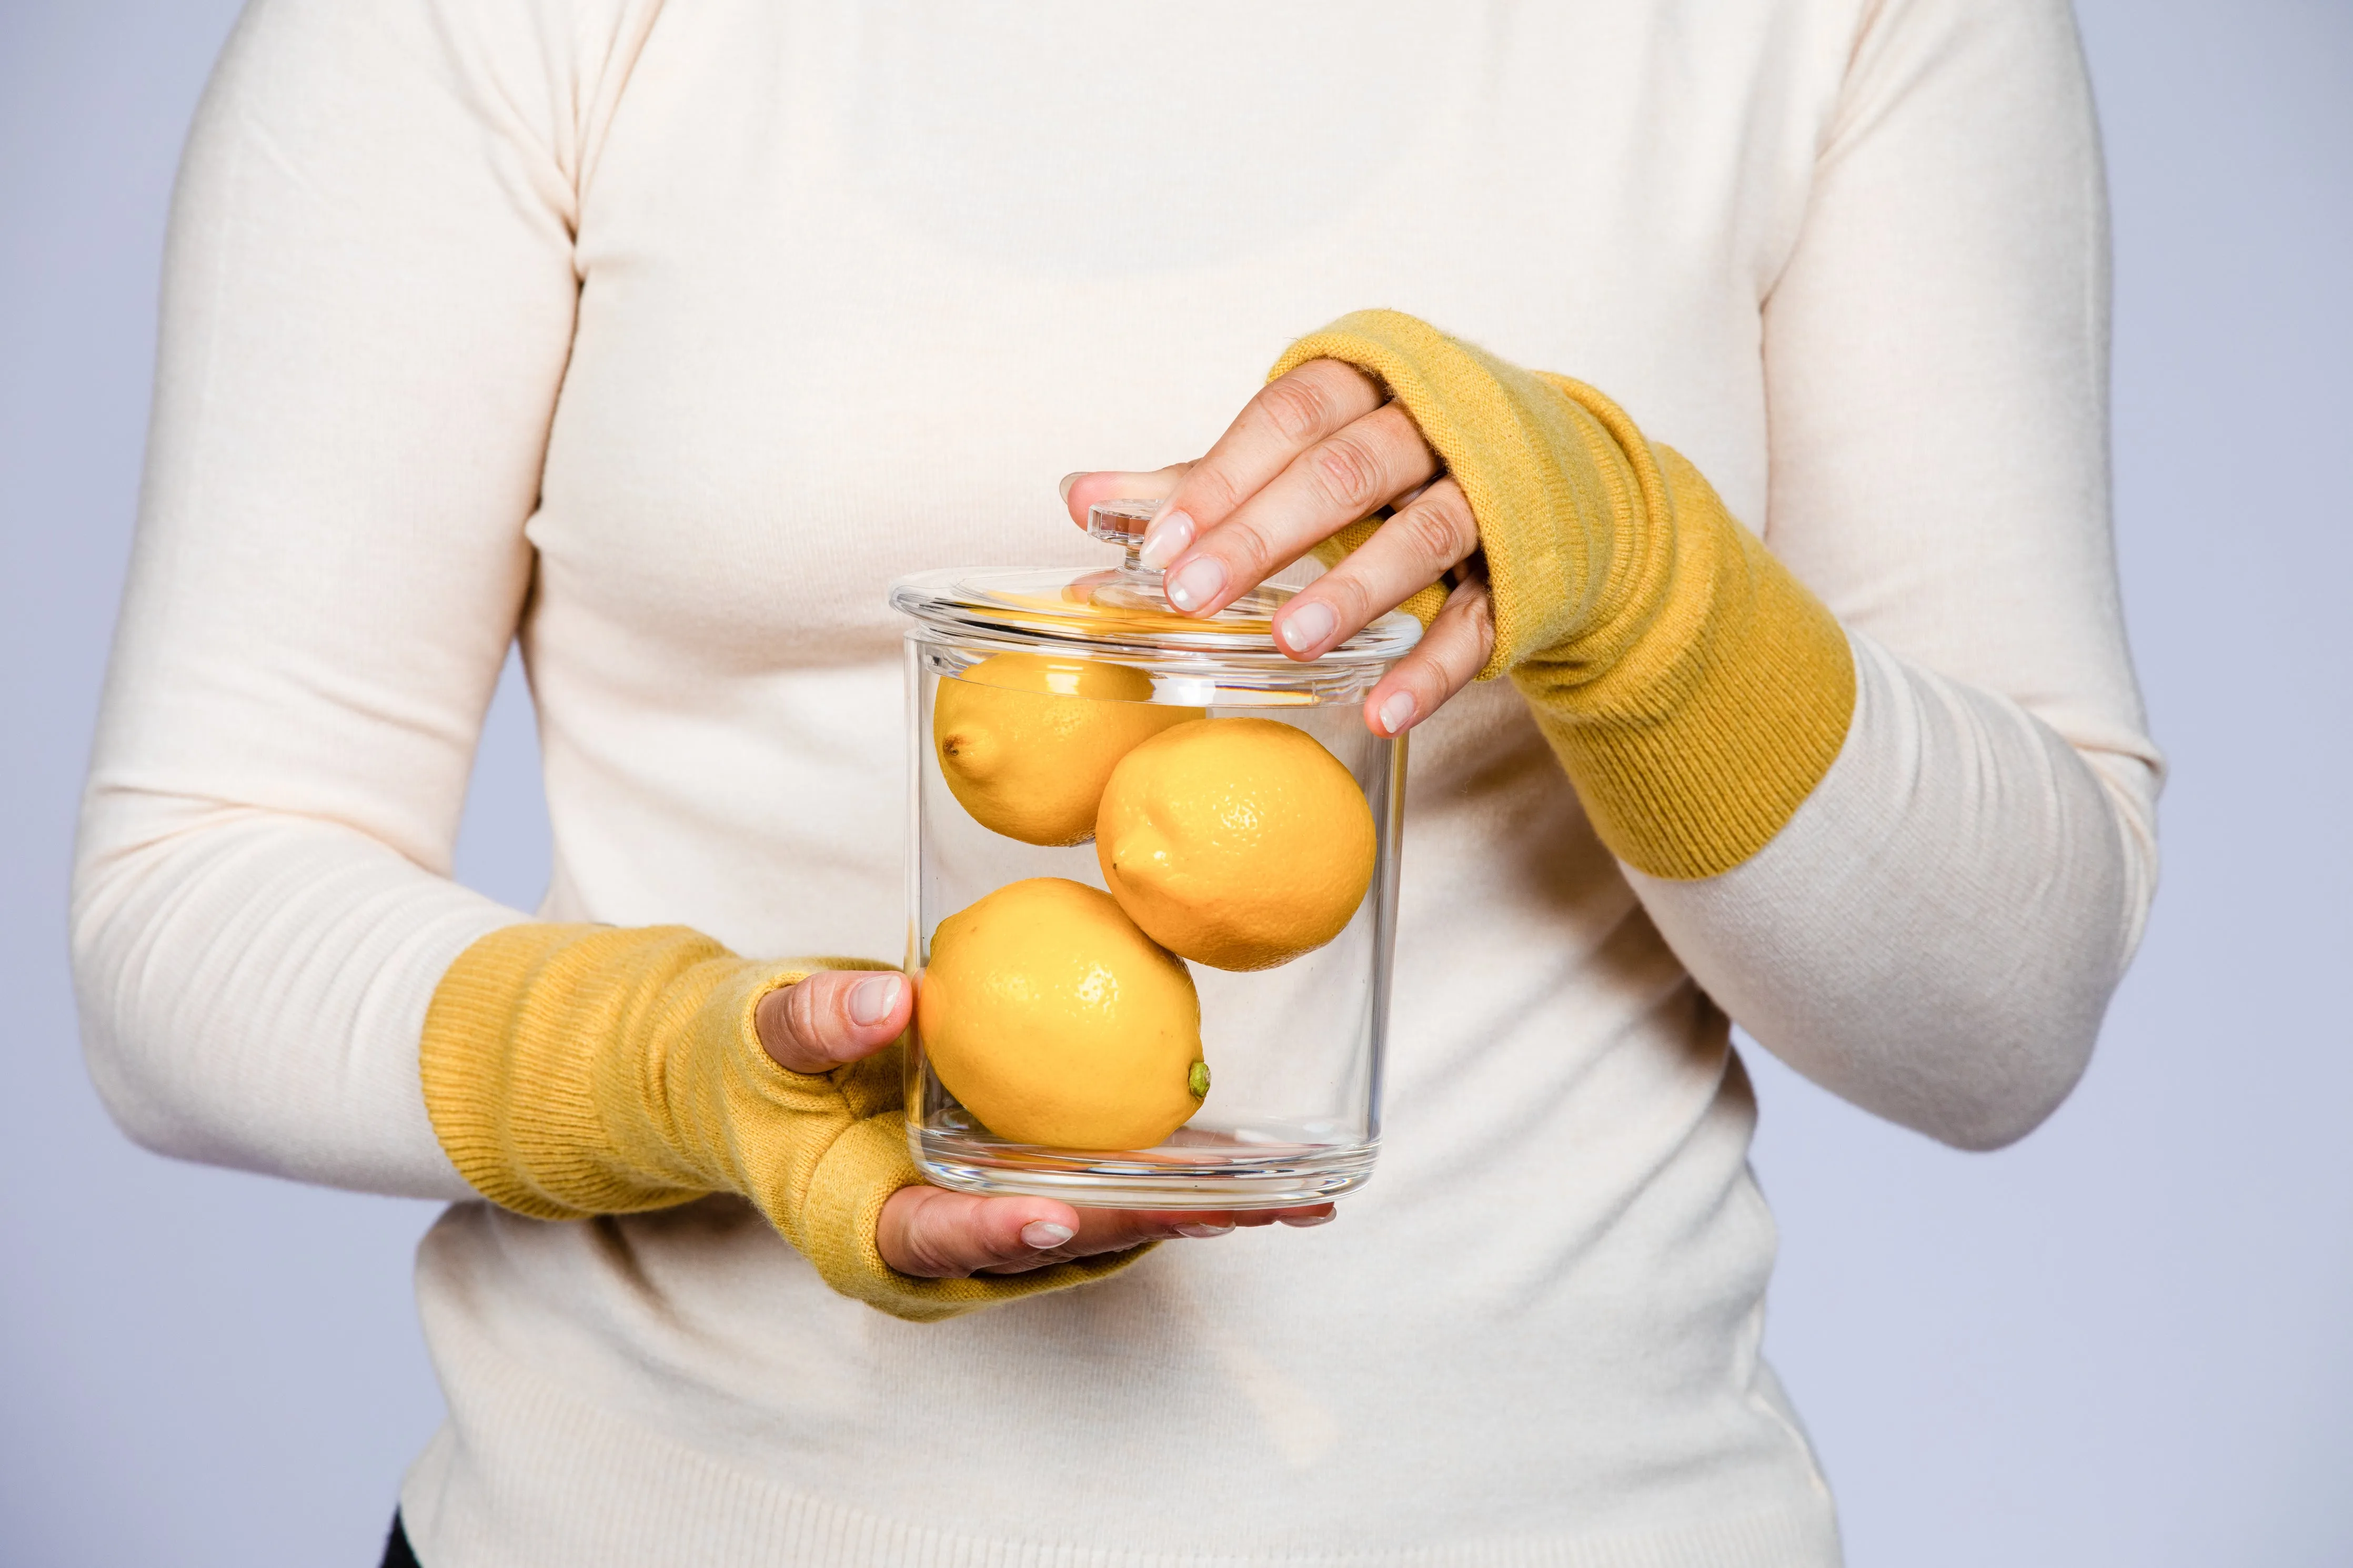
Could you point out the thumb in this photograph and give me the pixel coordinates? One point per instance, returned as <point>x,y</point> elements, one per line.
<point>832,1017</point>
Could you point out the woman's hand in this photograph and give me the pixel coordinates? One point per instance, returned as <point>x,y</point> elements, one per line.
<point>839,1016</point>
<point>1316,451</point>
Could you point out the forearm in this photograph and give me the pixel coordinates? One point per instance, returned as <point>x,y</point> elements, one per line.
<point>1924,902</point>
<point>365,318</point>
<point>1936,932</point>
<point>253,984</point>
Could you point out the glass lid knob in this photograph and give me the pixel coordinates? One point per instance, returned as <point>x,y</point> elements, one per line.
<point>1127,605</point>
<point>1137,587</point>
<point>1122,522</point>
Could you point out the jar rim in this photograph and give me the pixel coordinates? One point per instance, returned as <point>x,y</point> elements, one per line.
<point>1066,610</point>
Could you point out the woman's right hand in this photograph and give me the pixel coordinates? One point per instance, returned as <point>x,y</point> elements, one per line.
<point>839,1016</point>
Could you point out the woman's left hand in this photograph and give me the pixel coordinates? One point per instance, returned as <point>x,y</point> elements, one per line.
<point>1316,451</point>
<point>837,1016</point>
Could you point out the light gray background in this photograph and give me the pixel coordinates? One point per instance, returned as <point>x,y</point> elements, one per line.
<point>2123,1342</point>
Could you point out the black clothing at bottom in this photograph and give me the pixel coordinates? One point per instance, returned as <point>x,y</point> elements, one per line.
<point>396,1554</point>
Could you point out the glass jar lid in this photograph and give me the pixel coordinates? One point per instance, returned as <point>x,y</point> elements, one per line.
<point>1123,609</point>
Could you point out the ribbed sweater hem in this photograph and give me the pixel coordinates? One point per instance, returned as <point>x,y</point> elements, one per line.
<point>526,1474</point>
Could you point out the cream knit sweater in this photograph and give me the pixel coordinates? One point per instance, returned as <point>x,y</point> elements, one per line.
<point>663,335</point>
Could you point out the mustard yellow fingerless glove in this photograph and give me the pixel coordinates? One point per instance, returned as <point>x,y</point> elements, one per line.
<point>574,1071</point>
<point>1693,689</point>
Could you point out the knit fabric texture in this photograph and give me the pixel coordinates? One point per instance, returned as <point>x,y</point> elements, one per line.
<point>574,1071</point>
<point>1694,689</point>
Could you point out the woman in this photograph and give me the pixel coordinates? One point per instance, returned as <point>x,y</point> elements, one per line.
<point>663,335</point>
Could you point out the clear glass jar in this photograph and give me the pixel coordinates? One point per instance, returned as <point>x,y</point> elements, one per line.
<point>1284,1090</point>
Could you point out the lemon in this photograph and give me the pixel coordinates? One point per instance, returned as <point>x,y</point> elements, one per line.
<point>1055,1021</point>
<point>1027,739</point>
<point>1240,843</point>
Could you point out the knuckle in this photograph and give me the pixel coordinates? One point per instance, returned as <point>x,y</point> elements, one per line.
<point>1348,595</point>
<point>1399,433</point>
<point>1450,512</point>
<point>1474,609</point>
<point>1468,627</point>
<point>1430,535</point>
<point>803,1025</point>
<point>1482,624</point>
<point>1348,469</point>
<point>1245,543</point>
<point>931,1245</point>
<point>1343,383</point>
<point>1211,491</point>
<point>1298,406</point>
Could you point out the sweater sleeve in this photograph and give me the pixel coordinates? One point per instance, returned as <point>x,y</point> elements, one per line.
<point>368,302</point>
<point>1938,931</point>
<point>1885,786</point>
<point>368,308</point>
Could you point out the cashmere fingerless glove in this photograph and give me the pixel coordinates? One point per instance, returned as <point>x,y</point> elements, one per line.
<point>574,1071</point>
<point>1693,689</point>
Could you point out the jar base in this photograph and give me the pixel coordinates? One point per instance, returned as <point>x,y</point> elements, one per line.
<point>1222,1174</point>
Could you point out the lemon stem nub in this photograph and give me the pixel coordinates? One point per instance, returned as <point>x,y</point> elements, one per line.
<point>1198,1081</point>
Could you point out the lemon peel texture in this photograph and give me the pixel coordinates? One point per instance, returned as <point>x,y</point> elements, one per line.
<point>1026,740</point>
<point>1238,843</point>
<point>1056,1022</point>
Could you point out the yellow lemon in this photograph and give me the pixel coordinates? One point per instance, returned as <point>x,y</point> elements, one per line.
<point>1027,739</point>
<point>1240,843</point>
<point>1055,1021</point>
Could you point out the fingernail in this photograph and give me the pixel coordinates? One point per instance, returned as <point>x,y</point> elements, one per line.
<point>1170,533</point>
<point>1307,626</point>
<point>1200,1232</point>
<point>1198,583</point>
<point>1398,711</point>
<point>1070,480</point>
<point>1304,1220</point>
<point>871,1001</point>
<point>1045,1235</point>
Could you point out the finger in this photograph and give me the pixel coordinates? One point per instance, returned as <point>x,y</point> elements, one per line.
<point>832,1017</point>
<point>1426,539</point>
<point>1347,475</point>
<point>1116,1230</point>
<point>1455,648</point>
<point>1311,1214</point>
<point>935,1234</point>
<point>1083,490</point>
<point>1290,415</point>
